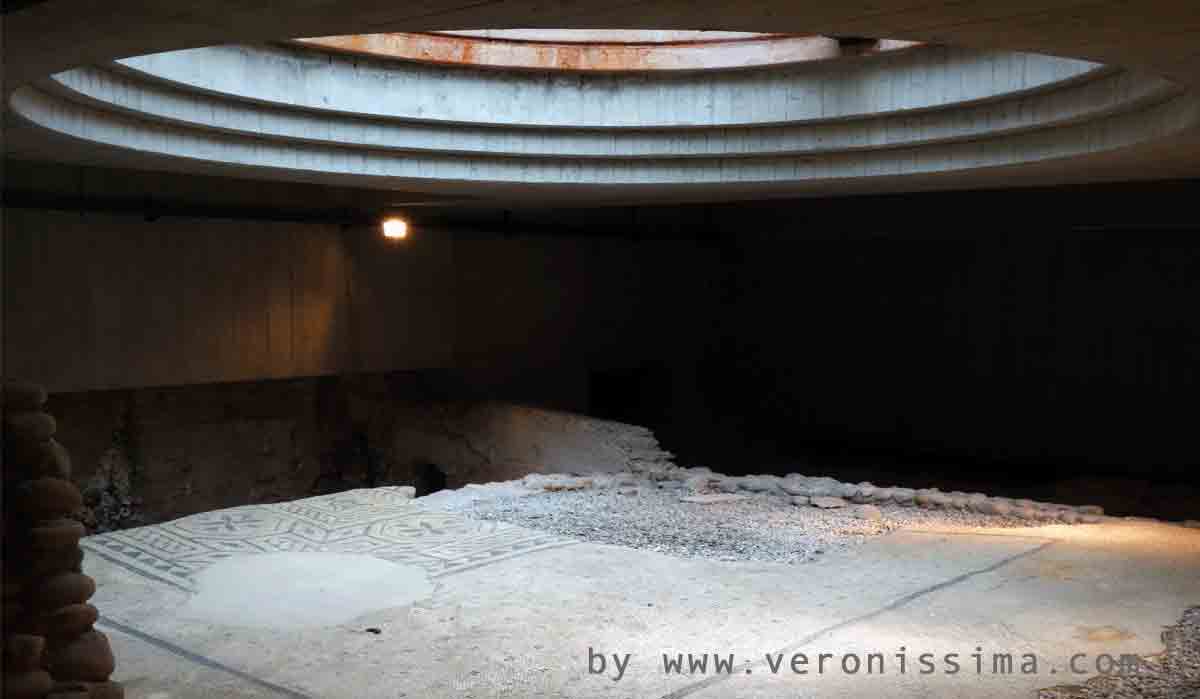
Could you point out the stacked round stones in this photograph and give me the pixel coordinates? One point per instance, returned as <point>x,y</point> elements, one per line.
<point>51,649</point>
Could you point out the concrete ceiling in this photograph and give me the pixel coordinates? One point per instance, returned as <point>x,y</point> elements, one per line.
<point>1155,37</point>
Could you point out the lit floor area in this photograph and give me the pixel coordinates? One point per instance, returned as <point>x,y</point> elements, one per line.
<point>369,593</point>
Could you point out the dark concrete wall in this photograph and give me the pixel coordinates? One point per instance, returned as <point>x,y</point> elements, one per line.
<point>1017,334</point>
<point>1037,349</point>
<point>1033,346</point>
<point>101,301</point>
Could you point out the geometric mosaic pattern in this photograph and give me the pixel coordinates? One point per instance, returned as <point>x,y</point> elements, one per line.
<point>377,521</point>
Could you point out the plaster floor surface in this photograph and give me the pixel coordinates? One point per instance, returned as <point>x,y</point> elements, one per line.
<point>370,594</point>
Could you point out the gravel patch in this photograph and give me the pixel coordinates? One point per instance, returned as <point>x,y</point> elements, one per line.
<point>764,528</point>
<point>1172,674</point>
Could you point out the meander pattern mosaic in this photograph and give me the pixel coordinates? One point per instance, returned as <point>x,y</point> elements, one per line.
<point>382,522</point>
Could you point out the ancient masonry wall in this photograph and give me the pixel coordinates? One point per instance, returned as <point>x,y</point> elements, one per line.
<point>51,648</point>
<point>152,455</point>
<point>495,441</point>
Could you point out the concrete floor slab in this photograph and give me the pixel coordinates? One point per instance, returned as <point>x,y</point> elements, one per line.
<point>532,619</point>
<point>153,670</point>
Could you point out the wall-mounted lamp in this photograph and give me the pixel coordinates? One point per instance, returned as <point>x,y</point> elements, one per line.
<point>395,228</point>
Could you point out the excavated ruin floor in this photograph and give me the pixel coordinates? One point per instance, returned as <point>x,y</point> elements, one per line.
<point>746,528</point>
<point>370,593</point>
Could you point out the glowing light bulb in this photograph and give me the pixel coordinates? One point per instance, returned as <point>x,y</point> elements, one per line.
<point>395,229</point>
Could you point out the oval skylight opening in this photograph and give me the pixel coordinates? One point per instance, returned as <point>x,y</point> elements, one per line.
<point>603,50</point>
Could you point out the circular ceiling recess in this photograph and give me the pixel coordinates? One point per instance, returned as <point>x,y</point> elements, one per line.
<point>610,50</point>
<point>602,113</point>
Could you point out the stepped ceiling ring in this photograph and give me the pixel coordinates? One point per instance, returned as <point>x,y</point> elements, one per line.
<point>593,112</point>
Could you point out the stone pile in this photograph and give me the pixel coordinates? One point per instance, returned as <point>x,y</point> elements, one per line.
<point>823,492</point>
<point>745,527</point>
<point>1172,674</point>
<point>51,650</point>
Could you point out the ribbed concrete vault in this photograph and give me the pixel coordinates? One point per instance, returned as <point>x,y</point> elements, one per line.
<point>1135,119</point>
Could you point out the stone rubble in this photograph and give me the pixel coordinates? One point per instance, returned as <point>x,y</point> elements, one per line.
<point>109,497</point>
<point>717,499</point>
<point>760,528</point>
<point>691,513</point>
<point>1173,674</point>
<point>821,491</point>
<point>696,513</point>
<point>868,512</point>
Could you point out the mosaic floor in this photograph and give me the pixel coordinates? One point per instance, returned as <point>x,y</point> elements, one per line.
<point>382,522</point>
<point>249,611</point>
